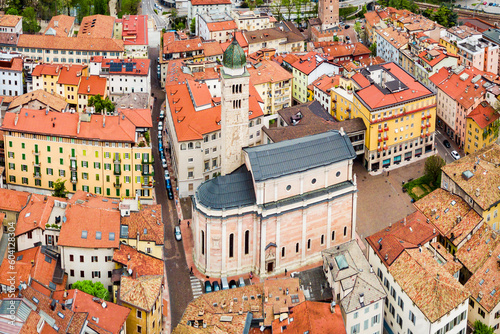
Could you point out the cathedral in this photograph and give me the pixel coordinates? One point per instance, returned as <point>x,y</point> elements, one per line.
<point>275,206</point>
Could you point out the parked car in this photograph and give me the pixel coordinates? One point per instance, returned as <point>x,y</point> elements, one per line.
<point>347,26</point>
<point>167,177</point>
<point>446,143</point>
<point>215,286</point>
<point>159,136</point>
<point>208,287</point>
<point>160,125</point>
<point>177,232</point>
<point>164,164</point>
<point>223,283</point>
<point>170,193</point>
<point>232,284</point>
<point>455,155</point>
<point>241,282</point>
<point>162,114</point>
<point>167,181</point>
<point>160,146</point>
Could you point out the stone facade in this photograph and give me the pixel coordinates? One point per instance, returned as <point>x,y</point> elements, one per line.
<point>328,13</point>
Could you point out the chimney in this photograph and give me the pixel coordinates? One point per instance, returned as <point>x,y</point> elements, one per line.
<point>404,222</point>
<point>362,298</point>
<point>104,119</point>
<point>16,119</point>
<point>478,192</point>
<point>386,256</point>
<point>332,307</point>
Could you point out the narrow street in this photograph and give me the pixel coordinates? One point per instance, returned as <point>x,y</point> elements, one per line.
<point>175,260</point>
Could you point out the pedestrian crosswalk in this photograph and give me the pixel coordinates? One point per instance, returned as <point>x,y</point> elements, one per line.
<point>196,286</point>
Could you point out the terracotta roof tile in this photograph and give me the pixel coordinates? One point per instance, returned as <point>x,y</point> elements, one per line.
<point>452,265</point>
<point>396,38</point>
<point>408,233</point>
<point>147,223</point>
<point>9,38</point>
<point>97,26</point>
<point>362,63</point>
<point>372,18</point>
<point>484,185</point>
<point>30,326</point>
<point>221,26</point>
<point>141,264</point>
<point>211,49</point>
<point>14,64</point>
<point>141,118</point>
<point>141,292</point>
<point>309,62</point>
<point>54,101</point>
<point>35,214</point>
<point>241,41</point>
<point>433,290</point>
<point>325,82</point>
<point>70,43</point>
<point>450,214</point>
<point>70,74</point>
<point>183,46</point>
<point>66,125</point>
<point>210,2</point>
<point>311,317</point>
<point>9,20</point>
<point>484,115</point>
<point>91,224</point>
<point>13,200</point>
<point>92,85</point>
<point>268,72</point>
<point>134,29</point>
<point>475,251</point>
<point>61,24</point>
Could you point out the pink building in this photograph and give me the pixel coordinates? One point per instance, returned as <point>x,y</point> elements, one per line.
<point>287,203</point>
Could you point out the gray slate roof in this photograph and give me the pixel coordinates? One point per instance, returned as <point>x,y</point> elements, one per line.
<point>228,191</point>
<point>356,276</point>
<point>298,155</point>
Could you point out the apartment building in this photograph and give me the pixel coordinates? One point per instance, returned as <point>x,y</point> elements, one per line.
<point>89,235</point>
<point>475,179</point>
<point>60,25</point>
<point>11,76</point>
<point>480,127</point>
<point>133,30</point>
<point>97,26</point>
<point>276,38</point>
<point>273,84</point>
<point>252,20</point>
<point>122,76</point>
<point>219,27</point>
<point>199,7</point>
<point>340,53</point>
<point>429,62</point>
<point>450,37</point>
<point>398,112</point>
<point>306,70</point>
<point>422,294</point>
<point>322,90</point>
<point>11,24</point>
<point>91,85</point>
<point>106,155</point>
<point>11,205</point>
<point>459,92</point>
<point>355,287</point>
<point>479,53</point>
<point>492,35</point>
<point>186,48</point>
<point>62,49</point>
<point>389,43</point>
<point>39,99</point>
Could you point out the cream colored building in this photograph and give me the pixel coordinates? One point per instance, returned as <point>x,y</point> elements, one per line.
<point>106,155</point>
<point>250,20</point>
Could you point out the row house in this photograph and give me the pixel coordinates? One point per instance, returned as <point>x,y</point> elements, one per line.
<point>11,24</point>
<point>11,75</point>
<point>11,206</point>
<point>480,127</point>
<point>390,42</point>
<point>133,30</point>
<point>60,25</point>
<point>479,53</point>
<point>450,37</point>
<point>199,7</point>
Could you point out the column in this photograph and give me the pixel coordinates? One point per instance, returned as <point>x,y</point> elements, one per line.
<point>329,225</point>
<point>262,249</point>
<point>224,253</point>
<point>208,243</point>
<point>240,242</point>
<point>354,206</point>
<point>301,183</point>
<point>254,242</point>
<point>304,232</point>
<point>278,242</point>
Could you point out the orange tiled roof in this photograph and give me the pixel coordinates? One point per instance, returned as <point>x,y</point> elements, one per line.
<point>210,2</point>
<point>433,290</point>
<point>35,214</point>
<point>70,43</point>
<point>324,83</point>
<point>362,63</point>
<point>443,208</point>
<point>241,41</point>
<point>71,74</point>
<point>268,71</point>
<point>212,49</point>
<point>435,60</point>
<point>147,223</point>
<point>396,38</point>
<point>140,263</point>
<point>53,101</point>
<point>92,85</point>
<point>30,326</point>
<point>373,97</point>
<point>372,18</point>
<point>13,200</point>
<point>9,20</point>
<point>141,118</point>
<point>61,24</point>
<point>15,64</point>
<point>134,29</point>
<point>66,125</point>
<point>221,26</point>
<point>311,317</point>
<point>484,115</point>
<point>183,46</point>
<point>93,223</point>
<point>141,292</point>
<point>308,62</point>
<point>97,26</point>
<point>410,232</point>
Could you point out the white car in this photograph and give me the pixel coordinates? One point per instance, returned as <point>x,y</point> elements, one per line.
<point>167,175</point>
<point>159,135</point>
<point>162,114</point>
<point>164,163</point>
<point>160,126</point>
<point>455,155</point>
<point>177,232</point>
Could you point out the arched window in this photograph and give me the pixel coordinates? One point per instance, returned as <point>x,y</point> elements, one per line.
<point>183,146</point>
<point>247,242</point>
<point>190,146</point>
<point>231,245</point>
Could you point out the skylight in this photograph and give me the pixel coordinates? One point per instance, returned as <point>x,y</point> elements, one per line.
<point>98,235</point>
<point>111,236</point>
<point>84,234</point>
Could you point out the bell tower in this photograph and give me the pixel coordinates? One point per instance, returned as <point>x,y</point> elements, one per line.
<point>235,81</point>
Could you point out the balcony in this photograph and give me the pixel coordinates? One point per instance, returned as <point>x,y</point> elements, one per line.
<point>147,185</point>
<point>74,180</point>
<point>386,138</point>
<point>379,149</point>
<point>117,170</point>
<point>386,128</point>
<point>73,166</point>
<point>117,185</point>
<point>380,140</point>
<point>380,130</point>
<point>36,163</point>
<point>37,175</point>
<point>72,158</point>
<point>116,159</point>
<point>36,152</point>
<point>147,170</point>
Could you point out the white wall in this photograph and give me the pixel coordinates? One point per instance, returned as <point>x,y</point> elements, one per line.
<point>11,83</point>
<point>366,320</point>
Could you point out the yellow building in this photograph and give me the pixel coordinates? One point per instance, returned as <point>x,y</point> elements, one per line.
<point>342,100</point>
<point>106,155</point>
<point>143,230</point>
<point>11,205</point>
<point>482,127</point>
<point>399,114</point>
<point>141,279</point>
<point>450,45</point>
<point>476,179</point>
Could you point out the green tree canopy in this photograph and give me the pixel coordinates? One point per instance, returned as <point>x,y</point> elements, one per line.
<point>432,168</point>
<point>95,289</point>
<point>480,328</point>
<point>60,188</point>
<point>30,24</point>
<point>192,26</point>
<point>101,104</point>
<point>445,16</point>
<point>12,11</point>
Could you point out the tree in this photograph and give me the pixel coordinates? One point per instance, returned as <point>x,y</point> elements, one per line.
<point>100,7</point>
<point>101,104</point>
<point>30,24</point>
<point>12,11</point>
<point>276,10</point>
<point>480,328</point>
<point>95,289</point>
<point>373,49</point>
<point>60,189</point>
<point>432,168</point>
<point>192,26</point>
<point>288,4</point>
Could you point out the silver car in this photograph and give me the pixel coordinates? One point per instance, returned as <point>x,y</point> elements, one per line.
<point>177,232</point>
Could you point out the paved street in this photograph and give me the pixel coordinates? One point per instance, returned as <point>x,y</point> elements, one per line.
<point>175,260</point>
<point>148,7</point>
<point>442,150</point>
